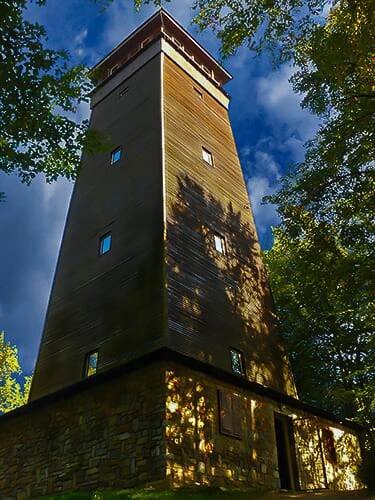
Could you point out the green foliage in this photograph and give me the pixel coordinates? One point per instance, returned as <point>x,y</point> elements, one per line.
<point>323,290</point>
<point>12,394</point>
<point>324,301</point>
<point>39,93</point>
<point>322,264</point>
<point>262,24</point>
<point>367,468</point>
<point>336,181</point>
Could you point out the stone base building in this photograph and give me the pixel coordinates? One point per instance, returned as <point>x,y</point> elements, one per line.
<point>161,359</point>
<point>157,420</point>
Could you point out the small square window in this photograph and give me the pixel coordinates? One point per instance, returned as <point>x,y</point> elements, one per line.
<point>116,155</point>
<point>220,245</point>
<point>105,244</point>
<point>207,157</point>
<point>236,359</point>
<point>91,364</point>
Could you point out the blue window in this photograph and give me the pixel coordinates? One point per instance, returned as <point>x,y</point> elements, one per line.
<point>105,243</point>
<point>91,363</point>
<point>116,155</point>
<point>237,363</point>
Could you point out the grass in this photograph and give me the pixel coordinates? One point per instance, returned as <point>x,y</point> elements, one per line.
<point>199,494</point>
<point>193,494</point>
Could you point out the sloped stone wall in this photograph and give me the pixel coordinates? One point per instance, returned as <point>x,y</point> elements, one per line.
<point>107,434</point>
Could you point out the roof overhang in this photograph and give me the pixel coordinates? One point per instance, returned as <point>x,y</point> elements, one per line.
<point>162,24</point>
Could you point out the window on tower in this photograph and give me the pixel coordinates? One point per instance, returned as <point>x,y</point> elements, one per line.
<point>116,155</point>
<point>207,156</point>
<point>220,244</point>
<point>91,364</point>
<point>236,359</point>
<point>105,243</point>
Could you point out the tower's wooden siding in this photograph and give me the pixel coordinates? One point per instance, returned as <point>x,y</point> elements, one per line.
<point>215,302</point>
<point>114,302</point>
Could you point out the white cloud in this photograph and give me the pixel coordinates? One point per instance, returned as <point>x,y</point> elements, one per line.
<point>265,163</point>
<point>79,41</point>
<point>83,111</point>
<point>80,37</point>
<point>292,125</point>
<point>263,181</point>
<point>265,214</point>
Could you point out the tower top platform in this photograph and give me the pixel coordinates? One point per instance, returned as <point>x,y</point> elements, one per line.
<point>161,25</point>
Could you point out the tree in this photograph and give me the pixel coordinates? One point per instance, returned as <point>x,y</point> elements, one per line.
<point>12,393</point>
<point>335,183</point>
<point>324,298</point>
<point>39,94</point>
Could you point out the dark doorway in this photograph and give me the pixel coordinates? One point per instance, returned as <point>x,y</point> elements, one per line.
<point>286,452</point>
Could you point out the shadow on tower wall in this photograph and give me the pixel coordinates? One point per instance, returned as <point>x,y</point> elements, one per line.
<point>218,301</point>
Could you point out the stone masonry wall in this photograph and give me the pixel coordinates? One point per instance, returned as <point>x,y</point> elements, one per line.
<point>109,434</point>
<point>160,424</point>
<point>198,453</point>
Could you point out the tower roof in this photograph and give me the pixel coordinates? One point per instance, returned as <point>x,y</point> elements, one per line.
<point>162,25</point>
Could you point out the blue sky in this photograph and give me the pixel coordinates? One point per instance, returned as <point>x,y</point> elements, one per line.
<point>269,126</point>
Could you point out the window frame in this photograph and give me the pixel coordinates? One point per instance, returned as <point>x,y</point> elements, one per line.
<point>101,240</point>
<point>233,425</point>
<point>87,361</point>
<point>223,243</point>
<point>210,155</point>
<point>241,359</point>
<point>112,161</point>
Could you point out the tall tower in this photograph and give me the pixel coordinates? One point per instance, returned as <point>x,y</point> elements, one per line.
<point>160,249</point>
<point>161,359</point>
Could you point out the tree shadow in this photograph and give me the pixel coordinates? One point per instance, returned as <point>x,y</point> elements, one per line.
<point>218,301</point>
